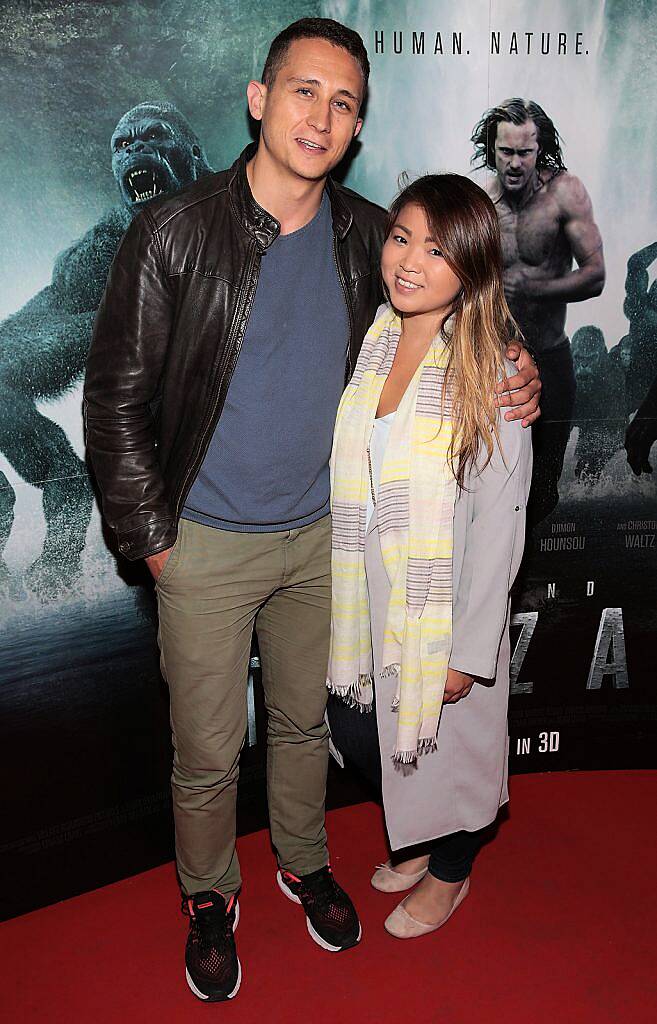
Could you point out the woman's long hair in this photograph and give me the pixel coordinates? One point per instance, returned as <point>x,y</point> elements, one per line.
<point>463,222</point>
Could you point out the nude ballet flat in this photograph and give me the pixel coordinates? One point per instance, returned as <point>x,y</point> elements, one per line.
<point>403,926</point>
<point>386,879</point>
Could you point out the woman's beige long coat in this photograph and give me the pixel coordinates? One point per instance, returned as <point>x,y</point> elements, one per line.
<point>463,783</point>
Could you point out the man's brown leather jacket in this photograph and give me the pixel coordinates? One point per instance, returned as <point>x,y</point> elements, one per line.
<point>168,333</point>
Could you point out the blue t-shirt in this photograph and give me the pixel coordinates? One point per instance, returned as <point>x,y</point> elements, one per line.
<point>266,468</point>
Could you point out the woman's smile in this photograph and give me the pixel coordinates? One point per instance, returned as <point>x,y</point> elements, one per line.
<point>405,284</point>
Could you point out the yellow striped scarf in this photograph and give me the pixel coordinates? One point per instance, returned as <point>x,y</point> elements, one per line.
<point>415,511</point>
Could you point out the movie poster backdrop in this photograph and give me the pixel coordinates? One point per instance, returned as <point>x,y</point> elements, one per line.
<point>85,741</point>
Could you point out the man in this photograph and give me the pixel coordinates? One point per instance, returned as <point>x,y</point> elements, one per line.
<point>232,318</point>
<point>546,220</point>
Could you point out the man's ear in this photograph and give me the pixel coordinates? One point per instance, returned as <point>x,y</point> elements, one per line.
<point>256,94</point>
<point>358,126</point>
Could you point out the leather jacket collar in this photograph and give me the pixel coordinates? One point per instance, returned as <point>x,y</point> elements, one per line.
<point>258,222</point>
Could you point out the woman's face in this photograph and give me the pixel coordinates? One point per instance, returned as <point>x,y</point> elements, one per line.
<point>417,277</point>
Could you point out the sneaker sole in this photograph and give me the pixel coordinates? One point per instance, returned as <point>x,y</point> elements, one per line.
<point>214,999</point>
<point>315,936</point>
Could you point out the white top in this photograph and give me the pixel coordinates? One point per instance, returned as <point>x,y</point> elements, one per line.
<point>378,443</point>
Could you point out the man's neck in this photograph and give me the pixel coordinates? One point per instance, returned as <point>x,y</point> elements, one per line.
<point>293,201</point>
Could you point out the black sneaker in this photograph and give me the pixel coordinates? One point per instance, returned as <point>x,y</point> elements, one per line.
<point>213,971</point>
<point>330,915</point>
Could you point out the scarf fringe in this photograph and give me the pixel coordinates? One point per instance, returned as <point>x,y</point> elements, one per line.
<point>425,746</point>
<point>350,695</point>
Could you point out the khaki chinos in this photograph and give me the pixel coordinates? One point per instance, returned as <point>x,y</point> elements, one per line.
<point>215,586</point>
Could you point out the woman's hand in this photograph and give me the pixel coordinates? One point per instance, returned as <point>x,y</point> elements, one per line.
<point>523,390</point>
<point>458,685</point>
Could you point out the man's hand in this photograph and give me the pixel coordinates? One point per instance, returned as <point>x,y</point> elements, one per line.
<point>157,562</point>
<point>517,283</point>
<point>458,685</point>
<point>523,390</point>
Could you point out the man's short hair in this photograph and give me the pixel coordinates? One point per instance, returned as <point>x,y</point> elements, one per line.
<point>315,28</point>
<point>518,111</point>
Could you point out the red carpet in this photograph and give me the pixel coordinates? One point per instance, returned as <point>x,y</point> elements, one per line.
<point>559,926</point>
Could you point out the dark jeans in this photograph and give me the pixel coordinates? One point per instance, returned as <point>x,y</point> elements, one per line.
<point>450,857</point>
<point>356,737</point>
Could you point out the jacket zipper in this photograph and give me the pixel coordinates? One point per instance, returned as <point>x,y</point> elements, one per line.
<point>235,338</point>
<point>348,367</point>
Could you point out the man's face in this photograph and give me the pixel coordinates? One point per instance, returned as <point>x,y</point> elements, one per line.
<point>310,113</point>
<point>516,152</point>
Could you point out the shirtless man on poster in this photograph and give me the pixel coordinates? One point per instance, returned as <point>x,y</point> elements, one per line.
<point>546,219</point>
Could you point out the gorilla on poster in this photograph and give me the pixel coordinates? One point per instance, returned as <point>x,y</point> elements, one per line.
<point>44,345</point>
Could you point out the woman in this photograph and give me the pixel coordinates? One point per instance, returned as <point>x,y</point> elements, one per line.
<point>429,486</point>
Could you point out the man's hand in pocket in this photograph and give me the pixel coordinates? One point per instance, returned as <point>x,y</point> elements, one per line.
<point>157,562</point>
